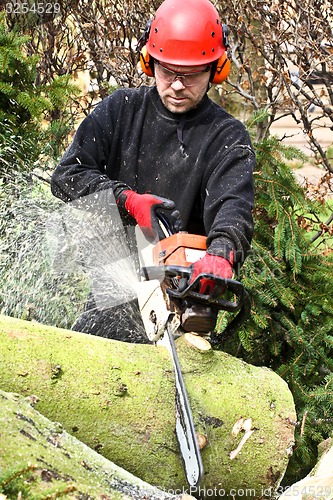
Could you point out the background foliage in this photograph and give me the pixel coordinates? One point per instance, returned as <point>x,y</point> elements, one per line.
<point>282,65</point>
<point>291,322</point>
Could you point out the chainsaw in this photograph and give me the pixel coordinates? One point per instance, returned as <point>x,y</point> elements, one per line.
<point>171,305</point>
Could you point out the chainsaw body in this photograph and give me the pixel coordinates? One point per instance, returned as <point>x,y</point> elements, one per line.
<point>197,311</point>
<point>179,249</point>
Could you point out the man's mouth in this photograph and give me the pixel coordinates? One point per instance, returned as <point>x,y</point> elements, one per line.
<point>177,100</point>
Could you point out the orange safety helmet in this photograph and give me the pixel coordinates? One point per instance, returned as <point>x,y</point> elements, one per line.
<point>186,33</point>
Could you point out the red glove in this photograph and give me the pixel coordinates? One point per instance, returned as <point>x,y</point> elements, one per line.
<point>211,264</point>
<point>142,207</point>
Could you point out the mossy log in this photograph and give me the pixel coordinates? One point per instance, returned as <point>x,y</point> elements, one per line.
<point>39,460</point>
<point>118,398</point>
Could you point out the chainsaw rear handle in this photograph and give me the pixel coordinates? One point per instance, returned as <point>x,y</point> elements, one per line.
<point>242,305</point>
<point>214,297</point>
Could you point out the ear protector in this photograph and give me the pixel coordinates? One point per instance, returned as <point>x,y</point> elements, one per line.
<point>146,62</point>
<point>220,68</point>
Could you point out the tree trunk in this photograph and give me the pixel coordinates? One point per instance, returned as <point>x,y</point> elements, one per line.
<point>40,460</point>
<point>119,399</point>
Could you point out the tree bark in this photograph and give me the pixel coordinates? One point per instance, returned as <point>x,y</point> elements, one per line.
<point>118,398</point>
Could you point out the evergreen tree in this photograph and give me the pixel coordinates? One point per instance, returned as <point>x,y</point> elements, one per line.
<point>25,106</point>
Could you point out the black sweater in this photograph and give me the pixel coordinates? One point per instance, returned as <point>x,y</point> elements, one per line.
<point>202,160</point>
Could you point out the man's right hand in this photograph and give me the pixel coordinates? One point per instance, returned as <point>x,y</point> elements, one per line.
<point>143,207</point>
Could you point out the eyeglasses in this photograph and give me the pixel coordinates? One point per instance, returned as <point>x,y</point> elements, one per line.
<point>187,79</point>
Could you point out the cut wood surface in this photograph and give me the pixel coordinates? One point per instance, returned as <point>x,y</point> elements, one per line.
<point>118,398</point>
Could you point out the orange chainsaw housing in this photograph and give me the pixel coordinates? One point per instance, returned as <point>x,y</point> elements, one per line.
<point>179,249</point>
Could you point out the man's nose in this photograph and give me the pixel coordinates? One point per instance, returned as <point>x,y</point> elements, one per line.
<point>177,84</point>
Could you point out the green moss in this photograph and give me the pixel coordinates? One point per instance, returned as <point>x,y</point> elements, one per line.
<point>42,461</point>
<point>118,398</point>
<point>85,397</point>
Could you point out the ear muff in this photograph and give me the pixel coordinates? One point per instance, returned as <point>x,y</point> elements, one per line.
<point>146,62</point>
<point>221,69</point>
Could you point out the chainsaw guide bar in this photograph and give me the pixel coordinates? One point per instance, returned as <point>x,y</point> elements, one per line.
<point>185,430</point>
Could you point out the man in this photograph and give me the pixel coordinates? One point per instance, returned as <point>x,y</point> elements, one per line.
<point>169,147</point>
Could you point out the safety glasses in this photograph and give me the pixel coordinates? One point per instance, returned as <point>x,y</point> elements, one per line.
<point>187,79</point>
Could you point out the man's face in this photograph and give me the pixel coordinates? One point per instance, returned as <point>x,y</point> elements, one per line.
<point>181,88</point>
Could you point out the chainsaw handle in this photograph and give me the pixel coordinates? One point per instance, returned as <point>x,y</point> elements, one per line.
<point>166,226</point>
<point>242,305</point>
<point>213,298</point>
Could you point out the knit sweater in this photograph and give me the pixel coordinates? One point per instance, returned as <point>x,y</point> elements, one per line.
<point>202,160</point>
